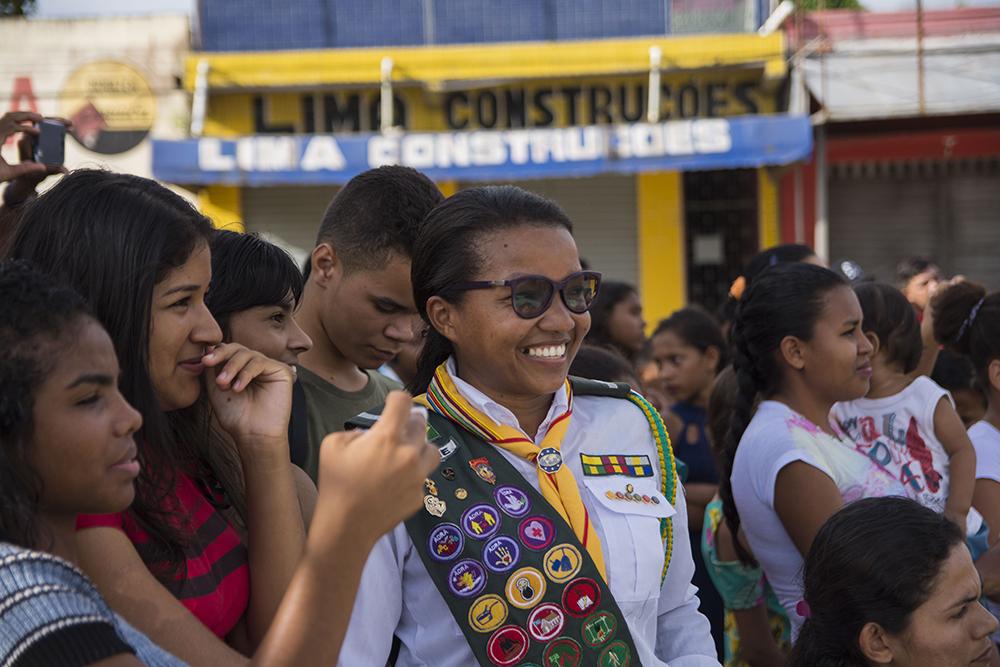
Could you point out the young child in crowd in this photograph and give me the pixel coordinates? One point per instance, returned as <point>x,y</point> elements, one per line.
<point>908,424</point>
<point>967,321</point>
<point>616,320</point>
<point>955,373</point>
<point>798,348</point>
<point>757,631</point>
<point>68,446</point>
<point>689,350</point>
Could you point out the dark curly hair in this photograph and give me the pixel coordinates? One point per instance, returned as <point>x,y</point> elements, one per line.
<point>38,317</point>
<point>784,300</point>
<point>967,321</point>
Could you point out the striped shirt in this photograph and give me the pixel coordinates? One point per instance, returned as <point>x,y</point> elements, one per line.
<point>50,614</point>
<point>214,583</point>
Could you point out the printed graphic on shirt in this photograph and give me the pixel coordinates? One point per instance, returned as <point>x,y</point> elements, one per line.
<point>897,445</point>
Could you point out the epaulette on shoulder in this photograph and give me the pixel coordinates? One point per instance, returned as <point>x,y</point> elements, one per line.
<point>584,387</point>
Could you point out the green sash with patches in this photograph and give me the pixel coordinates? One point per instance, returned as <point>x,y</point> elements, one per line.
<point>515,577</point>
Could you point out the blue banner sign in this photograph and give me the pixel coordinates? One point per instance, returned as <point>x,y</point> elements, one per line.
<point>488,155</point>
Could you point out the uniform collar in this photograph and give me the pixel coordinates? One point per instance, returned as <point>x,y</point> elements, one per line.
<point>498,413</point>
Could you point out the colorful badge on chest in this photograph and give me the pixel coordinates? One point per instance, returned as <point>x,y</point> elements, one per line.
<point>629,465</point>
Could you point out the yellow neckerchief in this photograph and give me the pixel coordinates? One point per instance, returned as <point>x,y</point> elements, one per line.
<point>558,487</point>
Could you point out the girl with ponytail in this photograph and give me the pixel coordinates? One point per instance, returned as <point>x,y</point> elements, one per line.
<point>798,348</point>
<point>967,321</point>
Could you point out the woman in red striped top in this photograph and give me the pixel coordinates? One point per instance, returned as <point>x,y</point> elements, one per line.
<point>210,544</point>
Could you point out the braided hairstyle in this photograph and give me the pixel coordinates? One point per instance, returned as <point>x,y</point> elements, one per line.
<point>967,321</point>
<point>784,300</point>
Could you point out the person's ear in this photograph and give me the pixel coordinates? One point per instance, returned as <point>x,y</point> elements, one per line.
<point>993,374</point>
<point>326,265</point>
<point>873,339</point>
<point>875,644</point>
<point>712,356</point>
<point>442,316</point>
<point>793,352</point>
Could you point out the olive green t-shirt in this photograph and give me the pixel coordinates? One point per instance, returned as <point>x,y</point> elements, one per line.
<point>328,407</point>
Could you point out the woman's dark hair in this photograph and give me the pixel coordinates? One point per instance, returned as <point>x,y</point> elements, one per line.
<point>909,268</point>
<point>601,363</point>
<point>38,319</point>
<point>720,412</point>
<point>967,321</point>
<point>890,316</point>
<point>780,254</point>
<point>954,372</point>
<point>854,575</point>
<point>785,300</point>
<point>113,237</point>
<point>247,271</point>
<point>697,328</point>
<point>449,250</point>
<point>612,293</point>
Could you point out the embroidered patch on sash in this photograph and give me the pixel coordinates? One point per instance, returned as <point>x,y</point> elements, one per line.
<point>615,655</point>
<point>512,500</point>
<point>536,532</point>
<point>481,522</point>
<point>630,465</point>
<point>467,578</point>
<point>482,467</point>
<point>487,613</point>
<point>562,562</point>
<point>525,588</point>
<point>507,645</point>
<point>545,622</point>
<point>445,542</point>
<point>599,629</point>
<point>501,554</point>
<point>581,597</point>
<point>563,652</point>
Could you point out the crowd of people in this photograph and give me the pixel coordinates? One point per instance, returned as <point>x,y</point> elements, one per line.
<point>207,455</point>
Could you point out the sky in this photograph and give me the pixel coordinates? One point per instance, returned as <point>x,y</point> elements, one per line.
<point>78,8</point>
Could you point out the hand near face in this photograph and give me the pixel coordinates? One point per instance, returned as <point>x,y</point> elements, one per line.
<point>250,393</point>
<point>377,476</point>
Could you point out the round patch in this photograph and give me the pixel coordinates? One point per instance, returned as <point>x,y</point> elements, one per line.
<point>501,554</point>
<point>481,521</point>
<point>487,613</point>
<point>564,652</point>
<point>461,493</point>
<point>615,655</point>
<point>467,578</point>
<point>525,588</point>
<point>445,542</point>
<point>562,562</point>
<point>581,597</point>
<point>599,629</point>
<point>536,532</point>
<point>507,645</point>
<point>545,622</point>
<point>549,460</point>
<point>512,500</point>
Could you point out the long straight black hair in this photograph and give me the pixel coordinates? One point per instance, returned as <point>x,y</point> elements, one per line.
<point>113,237</point>
<point>784,300</point>
<point>449,250</point>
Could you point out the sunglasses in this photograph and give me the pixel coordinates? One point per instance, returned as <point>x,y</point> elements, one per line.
<point>531,296</point>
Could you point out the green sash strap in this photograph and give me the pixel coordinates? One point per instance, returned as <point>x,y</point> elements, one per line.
<point>518,582</point>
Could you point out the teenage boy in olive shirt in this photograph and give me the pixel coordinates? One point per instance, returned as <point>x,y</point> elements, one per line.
<point>357,305</point>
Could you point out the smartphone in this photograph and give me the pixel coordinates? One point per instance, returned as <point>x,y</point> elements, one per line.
<point>49,145</point>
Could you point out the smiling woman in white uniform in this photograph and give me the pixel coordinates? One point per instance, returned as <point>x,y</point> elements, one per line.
<point>553,532</point>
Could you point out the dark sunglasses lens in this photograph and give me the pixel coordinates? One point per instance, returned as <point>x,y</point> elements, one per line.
<point>580,292</point>
<point>531,297</point>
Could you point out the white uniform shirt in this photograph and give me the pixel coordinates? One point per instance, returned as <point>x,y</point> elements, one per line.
<point>398,597</point>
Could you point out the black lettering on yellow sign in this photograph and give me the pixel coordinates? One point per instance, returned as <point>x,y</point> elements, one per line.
<point>521,107</point>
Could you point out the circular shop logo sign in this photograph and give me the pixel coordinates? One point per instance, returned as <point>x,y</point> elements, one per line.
<point>110,104</point>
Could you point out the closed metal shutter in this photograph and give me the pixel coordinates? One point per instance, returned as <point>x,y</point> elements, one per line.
<point>947,211</point>
<point>288,215</point>
<point>603,212</point>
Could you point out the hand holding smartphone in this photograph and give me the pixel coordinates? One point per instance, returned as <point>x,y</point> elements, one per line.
<point>48,147</point>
